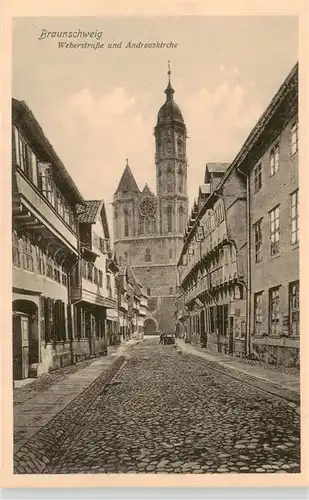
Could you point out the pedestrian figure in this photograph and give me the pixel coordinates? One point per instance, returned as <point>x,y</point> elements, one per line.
<point>161,338</point>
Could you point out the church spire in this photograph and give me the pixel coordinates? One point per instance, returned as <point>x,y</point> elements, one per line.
<point>127,182</point>
<point>169,91</point>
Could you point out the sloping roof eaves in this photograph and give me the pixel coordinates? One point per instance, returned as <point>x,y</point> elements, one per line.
<point>21,109</point>
<point>90,212</point>
<point>292,79</point>
<point>217,168</point>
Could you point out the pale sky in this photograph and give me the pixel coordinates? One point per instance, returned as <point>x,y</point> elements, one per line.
<point>98,108</point>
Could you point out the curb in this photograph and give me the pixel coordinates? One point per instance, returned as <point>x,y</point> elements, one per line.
<point>262,385</point>
<point>37,453</point>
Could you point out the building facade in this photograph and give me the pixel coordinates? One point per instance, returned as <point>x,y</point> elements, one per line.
<point>45,249</point>
<point>212,271</point>
<point>148,228</point>
<point>93,283</point>
<point>271,169</point>
<point>65,299</point>
<point>239,266</point>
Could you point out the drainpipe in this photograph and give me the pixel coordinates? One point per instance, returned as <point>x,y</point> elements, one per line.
<point>248,287</point>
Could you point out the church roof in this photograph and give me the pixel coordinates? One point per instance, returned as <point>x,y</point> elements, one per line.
<point>127,181</point>
<point>147,190</point>
<point>170,111</point>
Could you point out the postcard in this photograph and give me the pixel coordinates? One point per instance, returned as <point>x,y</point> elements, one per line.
<point>153,192</point>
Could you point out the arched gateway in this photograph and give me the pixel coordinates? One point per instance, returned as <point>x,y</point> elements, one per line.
<point>150,327</point>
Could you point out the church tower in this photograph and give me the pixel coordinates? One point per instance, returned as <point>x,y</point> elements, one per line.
<point>171,164</point>
<point>148,227</point>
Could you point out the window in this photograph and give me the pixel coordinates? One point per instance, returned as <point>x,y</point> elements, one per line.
<point>46,182</point>
<point>171,290</point>
<point>294,217</point>
<point>257,178</point>
<point>90,271</point>
<point>258,241</point>
<point>57,274</point>
<point>212,319</point>
<point>96,276</point>
<point>294,138</point>
<point>84,269</point>
<point>170,253</point>
<point>40,261</point>
<point>169,219</point>
<point>294,307</point>
<point>274,318</point>
<point>148,291</point>
<point>49,267</point>
<point>274,160</point>
<point>126,223</point>
<point>181,219</point>
<point>59,203</point>
<point>147,255</point>
<point>274,216</point>
<point>64,279</point>
<point>238,292</point>
<point>100,278</point>
<point>258,312</point>
<point>27,254</point>
<point>108,282</point>
<point>67,214</point>
<point>16,251</point>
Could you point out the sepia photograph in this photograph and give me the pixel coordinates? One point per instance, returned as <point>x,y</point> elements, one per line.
<point>155,245</point>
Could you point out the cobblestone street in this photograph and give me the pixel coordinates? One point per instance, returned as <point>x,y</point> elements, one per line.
<point>164,413</point>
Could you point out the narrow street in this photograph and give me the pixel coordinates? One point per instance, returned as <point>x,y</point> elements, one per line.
<point>163,412</point>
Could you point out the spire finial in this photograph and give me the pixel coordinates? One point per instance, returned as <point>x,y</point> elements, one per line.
<point>127,162</point>
<point>169,91</point>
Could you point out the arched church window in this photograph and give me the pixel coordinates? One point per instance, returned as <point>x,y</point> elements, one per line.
<point>141,225</point>
<point>170,253</point>
<point>126,222</point>
<point>181,219</point>
<point>169,219</point>
<point>147,226</point>
<point>147,255</point>
<point>180,146</point>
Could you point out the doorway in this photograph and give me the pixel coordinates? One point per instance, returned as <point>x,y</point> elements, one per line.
<point>25,338</point>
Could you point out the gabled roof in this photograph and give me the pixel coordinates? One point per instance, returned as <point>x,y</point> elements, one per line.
<point>215,168</point>
<point>204,189</point>
<point>127,182</point>
<point>91,212</point>
<point>147,190</point>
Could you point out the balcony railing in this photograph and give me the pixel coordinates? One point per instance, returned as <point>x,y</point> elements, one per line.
<point>28,199</point>
<point>201,287</point>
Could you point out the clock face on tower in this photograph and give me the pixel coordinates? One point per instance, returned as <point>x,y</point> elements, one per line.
<point>147,207</point>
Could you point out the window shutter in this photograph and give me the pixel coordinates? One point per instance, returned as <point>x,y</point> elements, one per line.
<point>47,320</point>
<point>53,319</point>
<point>42,317</point>
<point>63,325</point>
